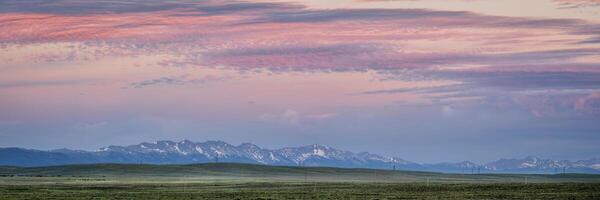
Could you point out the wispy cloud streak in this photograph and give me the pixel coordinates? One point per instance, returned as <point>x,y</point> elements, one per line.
<point>508,54</point>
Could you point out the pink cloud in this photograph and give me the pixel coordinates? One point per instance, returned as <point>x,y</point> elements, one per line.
<point>480,50</point>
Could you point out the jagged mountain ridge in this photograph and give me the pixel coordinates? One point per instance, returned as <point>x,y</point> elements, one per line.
<point>213,151</point>
<point>185,152</point>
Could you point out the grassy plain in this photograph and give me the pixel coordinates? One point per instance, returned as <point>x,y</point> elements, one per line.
<point>242,181</point>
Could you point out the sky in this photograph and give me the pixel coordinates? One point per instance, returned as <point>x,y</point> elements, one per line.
<point>423,80</point>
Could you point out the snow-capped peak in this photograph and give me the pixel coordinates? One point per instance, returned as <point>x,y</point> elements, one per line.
<point>187,151</point>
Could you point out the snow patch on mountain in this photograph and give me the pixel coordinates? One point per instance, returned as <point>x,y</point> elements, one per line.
<point>199,150</point>
<point>169,152</point>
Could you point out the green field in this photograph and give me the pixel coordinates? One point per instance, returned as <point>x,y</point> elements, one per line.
<point>242,181</point>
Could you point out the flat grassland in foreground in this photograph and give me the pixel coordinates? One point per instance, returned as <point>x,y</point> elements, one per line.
<point>242,181</point>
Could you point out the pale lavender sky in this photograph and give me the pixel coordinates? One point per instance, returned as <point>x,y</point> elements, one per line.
<point>425,80</point>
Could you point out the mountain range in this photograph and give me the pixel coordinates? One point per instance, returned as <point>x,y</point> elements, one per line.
<point>185,152</point>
